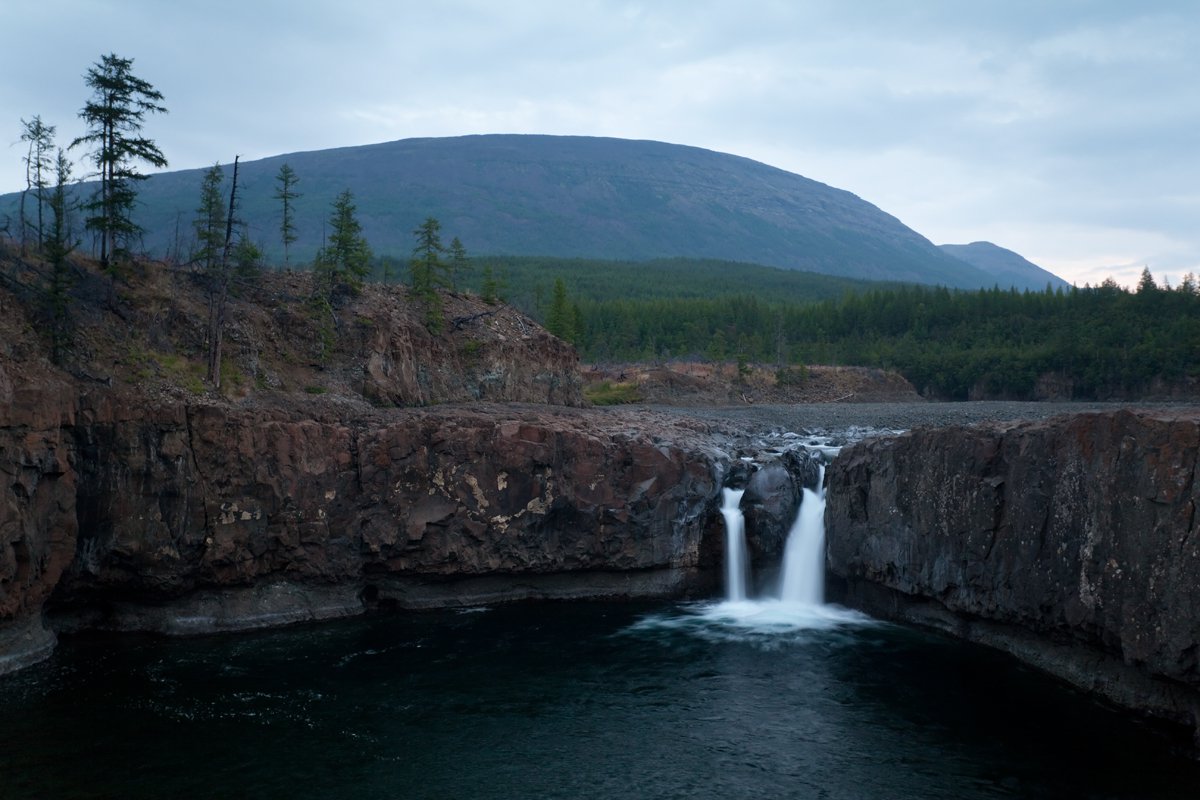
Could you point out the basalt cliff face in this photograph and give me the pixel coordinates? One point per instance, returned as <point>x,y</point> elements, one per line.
<point>38,528</point>
<point>388,506</point>
<point>1072,543</point>
<point>200,516</point>
<point>320,480</point>
<point>354,458</point>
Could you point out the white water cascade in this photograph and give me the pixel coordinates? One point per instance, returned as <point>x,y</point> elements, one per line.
<point>804,553</point>
<point>735,545</point>
<point>800,605</point>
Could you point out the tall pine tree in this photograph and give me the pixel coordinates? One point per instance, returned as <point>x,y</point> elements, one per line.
<point>426,264</point>
<point>209,223</point>
<point>285,192</point>
<point>346,258</point>
<point>114,117</point>
<point>459,264</point>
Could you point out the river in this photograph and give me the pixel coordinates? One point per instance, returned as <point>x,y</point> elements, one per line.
<point>570,700</point>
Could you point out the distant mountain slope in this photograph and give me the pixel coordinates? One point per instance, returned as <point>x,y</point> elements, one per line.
<point>1006,267</point>
<point>571,196</point>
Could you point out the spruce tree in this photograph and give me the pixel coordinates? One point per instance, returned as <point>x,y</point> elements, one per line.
<point>425,265</point>
<point>209,223</point>
<point>346,258</point>
<point>426,261</point>
<point>286,194</point>
<point>490,289</point>
<point>459,264</point>
<point>560,320</point>
<point>114,117</point>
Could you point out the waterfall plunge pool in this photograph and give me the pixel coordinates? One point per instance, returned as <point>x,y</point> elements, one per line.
<point>779,697</point>
<point>572,700</point>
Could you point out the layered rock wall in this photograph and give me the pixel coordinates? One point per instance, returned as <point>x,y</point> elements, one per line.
<point>210,516</point>
<point>211,496</point>
<point>37,515</point>
<point>1072,543</point>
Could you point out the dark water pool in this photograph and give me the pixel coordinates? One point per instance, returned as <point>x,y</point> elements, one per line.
<point>567,701</point>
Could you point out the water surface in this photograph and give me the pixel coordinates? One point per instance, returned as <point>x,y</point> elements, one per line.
<point>752,700</point>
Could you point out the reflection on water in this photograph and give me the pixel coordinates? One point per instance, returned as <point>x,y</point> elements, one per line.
<point>716,700</point>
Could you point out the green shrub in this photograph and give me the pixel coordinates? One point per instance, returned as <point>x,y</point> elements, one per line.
<point>607,393</point>
<point>791,376</point>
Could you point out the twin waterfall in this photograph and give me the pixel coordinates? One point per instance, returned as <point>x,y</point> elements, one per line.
<point>803,579</point>
<point>736,567</point>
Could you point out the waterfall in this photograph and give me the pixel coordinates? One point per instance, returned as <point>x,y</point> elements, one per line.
<point>804,553</point>
<point>735,545</point>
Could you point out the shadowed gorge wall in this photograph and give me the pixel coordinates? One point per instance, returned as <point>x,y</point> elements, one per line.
<point>1072,543</point>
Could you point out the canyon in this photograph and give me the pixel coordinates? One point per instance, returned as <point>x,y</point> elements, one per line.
<point>412,469</point>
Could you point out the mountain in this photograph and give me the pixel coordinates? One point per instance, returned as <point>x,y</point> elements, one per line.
<point>569,196</point>
<point>1006,267</point>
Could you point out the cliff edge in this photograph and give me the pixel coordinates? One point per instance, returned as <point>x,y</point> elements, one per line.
<point>1072,543</point>
<point>352,459</point>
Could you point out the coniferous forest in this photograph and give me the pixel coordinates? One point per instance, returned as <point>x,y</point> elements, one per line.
<point>1091,342</point>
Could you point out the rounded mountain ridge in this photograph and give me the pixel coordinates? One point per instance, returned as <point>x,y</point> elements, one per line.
<point>571,196</point>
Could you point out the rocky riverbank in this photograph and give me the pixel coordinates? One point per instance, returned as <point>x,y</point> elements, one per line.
<point>1070,542</point>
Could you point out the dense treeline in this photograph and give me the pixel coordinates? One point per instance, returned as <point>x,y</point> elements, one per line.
<point>1099,342</point>
<point>528,281</point>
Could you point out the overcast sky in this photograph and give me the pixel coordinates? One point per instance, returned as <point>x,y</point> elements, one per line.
<point>1062,129</point>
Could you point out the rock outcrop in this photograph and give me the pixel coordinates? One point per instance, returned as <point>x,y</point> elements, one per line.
<point>210,516</point>
<point>137,496</point>
<point>37,515</point>
<point>772,498</point>
<point>194,517</point>
<point>1072,543</point>
<point>489,353</point>
<point>333,472</point>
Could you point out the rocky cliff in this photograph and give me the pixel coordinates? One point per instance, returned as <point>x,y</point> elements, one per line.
<point>334,471</point>
<point>183,517</point>
<point>136,496</point>
<point>38,527</point>
<point>310,512</point>
<point>1072,543</point>
<point>208,516</point>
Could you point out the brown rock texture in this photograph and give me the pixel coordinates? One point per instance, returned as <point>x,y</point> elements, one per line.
<point>312,483</point>
<point>175,499</point>
<point>128,513</point>
<point>1072,543</point>
<point>37,514</point>
<point>489,353</point>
